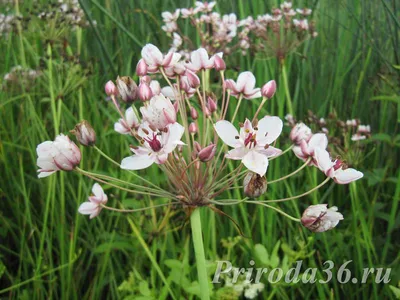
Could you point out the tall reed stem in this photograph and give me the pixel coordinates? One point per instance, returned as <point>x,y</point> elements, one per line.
<point>197,236</point>
<point>287,92</point>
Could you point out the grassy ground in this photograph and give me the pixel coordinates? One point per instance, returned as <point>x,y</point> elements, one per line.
<point>49,251</point>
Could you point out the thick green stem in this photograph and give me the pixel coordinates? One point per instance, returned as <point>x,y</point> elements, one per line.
<point>197,237</point>
<point>286,85</point>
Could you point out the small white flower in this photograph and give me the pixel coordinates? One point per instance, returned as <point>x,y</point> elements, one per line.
<point>154,59</point>
<point>199,60</point>
<point>159,112</point>
<point>155,148</point>
<point>94,205</point>
<point>132,122</point>
<point>358,137</point>
<point>306,149</point>
<point>170,17</point>
<point>244,85</point>
<point>252,145</point>
<point>62,154</point>
<point>337,169</point>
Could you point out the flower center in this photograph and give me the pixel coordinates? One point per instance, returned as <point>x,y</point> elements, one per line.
<point>154,143</point>
<point>250,140</point>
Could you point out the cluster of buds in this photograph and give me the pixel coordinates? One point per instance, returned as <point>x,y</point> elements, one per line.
<point>226,33</point>
<point>175,120</point>
<point>8,23</point>
<point>63,12</point>
<point>20,77</point>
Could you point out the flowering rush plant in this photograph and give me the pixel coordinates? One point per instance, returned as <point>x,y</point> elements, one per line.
<point>275,34</point>
<point>176,122</point>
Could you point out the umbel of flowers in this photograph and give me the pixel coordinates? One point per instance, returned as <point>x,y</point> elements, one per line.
<point>276,33</point>
<point>177,123</point>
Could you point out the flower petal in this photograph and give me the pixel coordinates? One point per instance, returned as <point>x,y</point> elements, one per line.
<point>175,132</point>
<point>323,159</point>
<point>299,153</point>
<point>318,140</point>
<point>43,174</point>
<point>152,55</point>
<point>269,128</point>
<point>97,190</point>
<point>270,151</point>
<point>237,153</point>
<point>346,176</point>
<point>136,162</point>
<point>246,82</point>
<point>256,162</point>
<point>87,208</point>
<point>227,133</point>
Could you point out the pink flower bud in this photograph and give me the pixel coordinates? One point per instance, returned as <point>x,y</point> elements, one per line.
<point>268,90</point>
<point>111,89</point>
<point>84,133</point>
<point>192,128</point>
<point>212,106</point>
<point>207,153</point>
<point>193,79</point>
<point>197,147</point>
<point>193,113</point>
<point>155,87</point>
<point>207,112</point>
<point>320,218</point>
<point>141,68</point>
<point>127,88</point>
<point>184,84</point>
<point>145,92</point>
<point>254,185</point>
<point>219,63</point>
<point>62,154</point>
<point>176,106</point>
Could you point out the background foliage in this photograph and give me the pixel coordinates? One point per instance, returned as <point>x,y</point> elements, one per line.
<point>48,251</point>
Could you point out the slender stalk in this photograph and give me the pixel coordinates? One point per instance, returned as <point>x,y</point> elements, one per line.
<point>151,257</point>
<point>136,186</point>
<point>122,210</point>
<point>260,107</point>
<point>276,209</point>
<point>197,236</point>
<point>293,173</point>
<point>133,173</point>
<point>119,187</point>
<point>298,196</point>
<point>237,108</point>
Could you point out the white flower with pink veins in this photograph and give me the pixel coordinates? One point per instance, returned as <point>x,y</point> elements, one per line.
<point>335,169</point>
<point>62,154</point>
<point>251,145</point>
<point>199,60</point>
<point>156,146</point>
<point>245,85</point>
<point>159,112</point>
<point>94,205</point>
<point>306,149</point>
<point>125,126</point>
<point>154,58</point>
